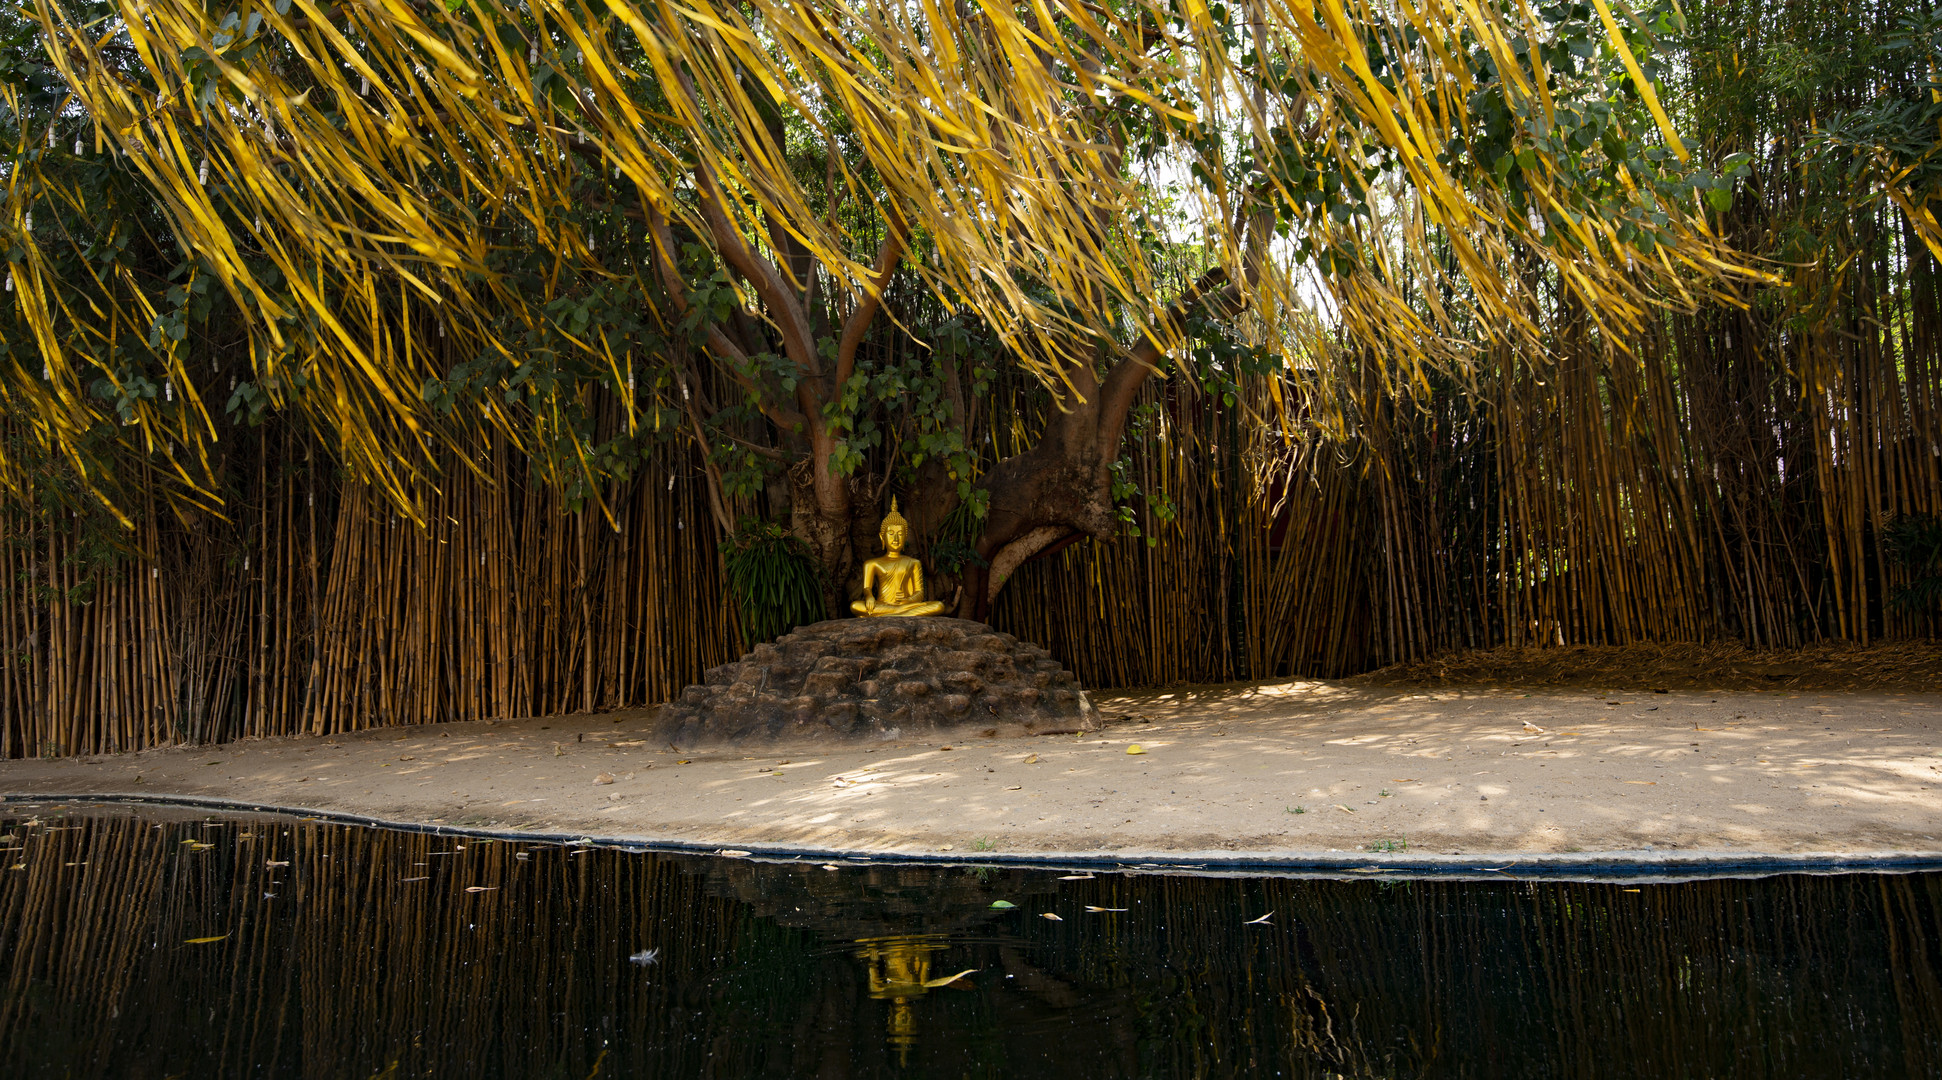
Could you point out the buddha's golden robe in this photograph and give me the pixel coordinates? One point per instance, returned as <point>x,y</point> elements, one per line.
<point>894,585</point>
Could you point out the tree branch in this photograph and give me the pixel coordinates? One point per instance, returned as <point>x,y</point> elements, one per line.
<point>718,341</point>
<point>889,254</point>
<point>1212,293</point>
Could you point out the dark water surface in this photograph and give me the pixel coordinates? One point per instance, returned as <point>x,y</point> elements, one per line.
<point>350,952</point>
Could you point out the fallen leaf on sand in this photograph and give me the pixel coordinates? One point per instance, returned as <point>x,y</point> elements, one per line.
<point>205,940</point>
<point>1089,907</point>
<point>1262,921</point>
<point>632,742</point>
<point>1136,748</point>
<point>1016,787</point>
<point>1641,781</point>
<point>1033,760</point>
<point>1049,915</point>
<point>1533,728</point>
<point>557,751</point>
<point>1403,780</point>
<point>1344,809</point>
<point>684,761</point>
<point>604,778</point>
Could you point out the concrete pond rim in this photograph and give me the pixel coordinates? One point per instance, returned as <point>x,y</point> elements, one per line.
<point>1629,867</point>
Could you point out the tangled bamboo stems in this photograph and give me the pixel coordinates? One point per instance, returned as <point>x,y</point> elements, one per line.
<point>318,609</point>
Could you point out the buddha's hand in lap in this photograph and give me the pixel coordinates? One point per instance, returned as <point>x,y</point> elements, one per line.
<point>871,608</point>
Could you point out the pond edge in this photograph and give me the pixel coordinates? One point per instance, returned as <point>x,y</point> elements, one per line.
<point>1630,866</point>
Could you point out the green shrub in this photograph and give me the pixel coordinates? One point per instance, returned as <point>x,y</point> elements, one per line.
<point>774,579</point>
<point>1915,542</point>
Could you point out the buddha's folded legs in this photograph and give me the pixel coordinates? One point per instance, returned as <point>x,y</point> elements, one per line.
<point>878,609</point>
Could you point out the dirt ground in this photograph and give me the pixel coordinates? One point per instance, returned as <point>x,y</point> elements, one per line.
<point>1283,771</point>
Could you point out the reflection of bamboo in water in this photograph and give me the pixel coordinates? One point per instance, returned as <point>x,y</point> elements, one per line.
<point>68,941</point>
<point>354,966</point>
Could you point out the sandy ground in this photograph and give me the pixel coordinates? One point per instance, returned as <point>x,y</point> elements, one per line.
<point>1279,772</point>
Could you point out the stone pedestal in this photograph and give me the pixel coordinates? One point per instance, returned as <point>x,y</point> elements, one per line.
<point>862,680</point>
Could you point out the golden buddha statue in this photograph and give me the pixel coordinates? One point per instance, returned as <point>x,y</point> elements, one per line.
<point>893,583</point>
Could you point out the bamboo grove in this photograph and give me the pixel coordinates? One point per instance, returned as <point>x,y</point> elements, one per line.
<point>393,362</point>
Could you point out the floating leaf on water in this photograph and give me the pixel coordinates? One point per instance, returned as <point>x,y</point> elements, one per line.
<point>409,880</point>
<point>1077,877</point>
<point>1089,907</point>
<point>1136,748</point>
<point>481,888</point>
<point>1003,905</point>
<point>274,863</point>
<point>205,940</point>
<point>1049,915</point>
<point>733,853</point>
<point>645,957</point>
<point>932,984</point>
<point>1262,921</point>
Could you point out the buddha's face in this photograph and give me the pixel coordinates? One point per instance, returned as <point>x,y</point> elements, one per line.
<point>893,537</point>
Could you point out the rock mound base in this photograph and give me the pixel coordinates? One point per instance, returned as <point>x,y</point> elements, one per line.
<point>858,680</point>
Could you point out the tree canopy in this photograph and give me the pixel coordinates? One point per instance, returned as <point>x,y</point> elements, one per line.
<point>587,227</point>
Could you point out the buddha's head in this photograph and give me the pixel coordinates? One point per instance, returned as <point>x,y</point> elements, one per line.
<point>894,530</point>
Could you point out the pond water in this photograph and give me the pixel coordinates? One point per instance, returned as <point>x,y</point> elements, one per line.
<point>159,943</point>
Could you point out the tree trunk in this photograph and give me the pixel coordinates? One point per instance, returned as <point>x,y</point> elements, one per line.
<point>1059,488</point>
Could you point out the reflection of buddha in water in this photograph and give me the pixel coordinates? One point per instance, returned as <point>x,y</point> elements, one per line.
<point>893,583</point>
<point>900,969</point>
